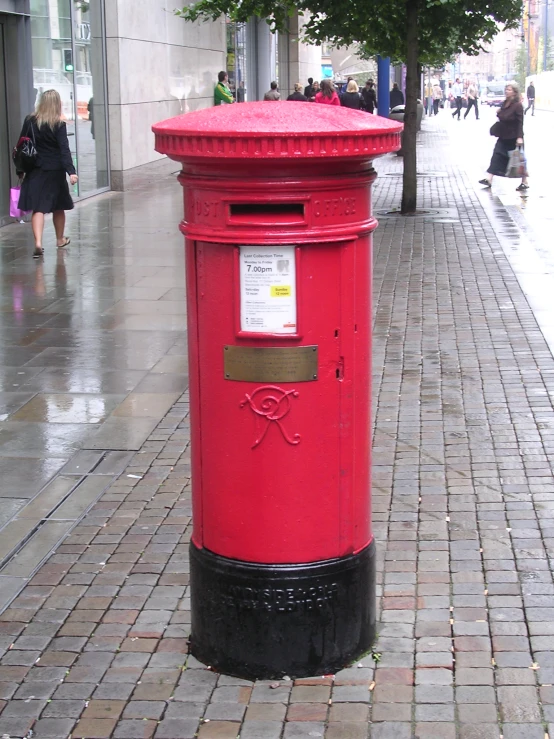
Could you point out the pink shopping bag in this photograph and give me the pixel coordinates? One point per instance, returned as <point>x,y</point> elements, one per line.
<point>14,204</point>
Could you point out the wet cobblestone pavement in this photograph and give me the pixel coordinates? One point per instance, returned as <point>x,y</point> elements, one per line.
<point>95,645</point>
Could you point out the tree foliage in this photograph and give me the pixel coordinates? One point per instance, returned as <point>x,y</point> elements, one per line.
<point>412,32</point>
<point>445,27</point>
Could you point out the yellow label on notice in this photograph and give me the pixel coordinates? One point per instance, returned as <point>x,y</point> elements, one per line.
<point>280,291</point>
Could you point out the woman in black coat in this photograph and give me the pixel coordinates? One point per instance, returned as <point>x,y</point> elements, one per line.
<point>351,98</point>
<point>298,94</point>
<point>509,130</point>
<point>44,189</point>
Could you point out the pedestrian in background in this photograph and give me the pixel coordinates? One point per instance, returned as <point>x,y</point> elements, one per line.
<point>315,91</point>
<point>530,98</point>
<point>396,96</point>
<point>44,188</point>
<point>370,96</point>
<point>472,101</point>
<point>222,94</point>
<point>309,89</point>
<point>327,95</point>
<point>273,94</point>
<point>509,130</point>
<point>437,97</point>
<point>298,94</point>
<point>351,98</point>
<point>457,92</point>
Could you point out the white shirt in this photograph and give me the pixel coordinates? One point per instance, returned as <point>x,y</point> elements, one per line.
<point>457,89</point>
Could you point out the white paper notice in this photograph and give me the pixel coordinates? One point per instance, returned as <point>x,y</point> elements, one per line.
<point>268,289</point>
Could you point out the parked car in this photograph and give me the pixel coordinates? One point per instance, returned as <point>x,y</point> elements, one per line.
<point>397,114</point>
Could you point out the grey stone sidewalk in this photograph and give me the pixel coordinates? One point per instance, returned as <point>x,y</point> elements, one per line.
<point>95,646</point>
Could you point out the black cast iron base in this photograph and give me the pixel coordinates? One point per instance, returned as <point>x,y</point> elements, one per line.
<point>260,621</point>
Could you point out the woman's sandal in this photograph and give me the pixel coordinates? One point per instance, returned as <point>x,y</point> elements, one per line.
<point>485,182</point>
<point>38,253</point>
<point>522,187</point>
<point>65,243</point>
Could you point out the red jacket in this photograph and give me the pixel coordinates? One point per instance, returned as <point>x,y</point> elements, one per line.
<point>334,100</point>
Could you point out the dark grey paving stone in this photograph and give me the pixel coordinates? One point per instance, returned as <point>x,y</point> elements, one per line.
<point>113,463</point>
<point>53,728</point>
<point>9,588</point>
<point>37,548</point>
<point>169,728</point>
<point>81,498</point>
<point>261,730</point>
<point>162,383</point>
<point>84,380</point>
<point>81,463</point>
<point>28,440</point>
<point>522,731</point>
<point>122,434</point>
<point>12,379</point>
<point>10,403</point>
<point>24,477</point>
<point>48,498</point>
<point>9,508</point>
<point>302,729</point>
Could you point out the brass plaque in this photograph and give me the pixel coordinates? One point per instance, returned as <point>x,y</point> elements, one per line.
<point>270,364</point>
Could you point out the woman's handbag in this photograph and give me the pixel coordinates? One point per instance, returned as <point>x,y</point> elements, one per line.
<point>495,129</point>
<point>25,152</point>
<point>516,168</point>
<point>14,203</point>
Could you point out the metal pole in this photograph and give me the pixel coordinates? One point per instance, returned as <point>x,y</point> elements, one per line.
<point>383,86</point>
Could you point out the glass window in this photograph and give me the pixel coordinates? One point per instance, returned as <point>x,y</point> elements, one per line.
<point>68,56</point>
<point>90,95</point>
<point>52,57</point>
<point>5,163</point>
<point>236,60</point>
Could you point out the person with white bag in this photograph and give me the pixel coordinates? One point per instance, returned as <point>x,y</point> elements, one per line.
<point>509,130</point>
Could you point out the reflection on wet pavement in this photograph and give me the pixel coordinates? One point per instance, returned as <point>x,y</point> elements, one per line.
<point>522,222</point>
<point>92,354</point>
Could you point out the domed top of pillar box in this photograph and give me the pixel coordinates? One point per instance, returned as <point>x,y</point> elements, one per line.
<point>282,131</point>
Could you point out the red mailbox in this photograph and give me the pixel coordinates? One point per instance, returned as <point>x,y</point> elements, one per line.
<point>278,227</point>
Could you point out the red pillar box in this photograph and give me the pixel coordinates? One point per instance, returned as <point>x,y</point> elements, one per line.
<point>278,227</point>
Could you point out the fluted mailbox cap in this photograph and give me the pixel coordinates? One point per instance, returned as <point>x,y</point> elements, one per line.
<point>276,131</point>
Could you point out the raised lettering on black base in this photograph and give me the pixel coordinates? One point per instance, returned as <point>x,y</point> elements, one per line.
<point>266,621</point>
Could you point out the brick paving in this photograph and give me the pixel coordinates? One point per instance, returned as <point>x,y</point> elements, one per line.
<point>95,646</point>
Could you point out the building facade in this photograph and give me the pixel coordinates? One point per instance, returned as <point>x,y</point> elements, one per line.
<point>122,65</point>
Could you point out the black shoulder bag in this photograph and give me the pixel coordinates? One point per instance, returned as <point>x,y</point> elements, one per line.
<point>24,154</point>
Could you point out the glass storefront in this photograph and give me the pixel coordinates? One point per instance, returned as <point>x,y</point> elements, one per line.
<point>236,61</point>
<point>5,163</point>
<point>69,56</point>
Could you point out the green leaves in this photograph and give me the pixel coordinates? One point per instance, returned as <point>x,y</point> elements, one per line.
<point>445,27</point>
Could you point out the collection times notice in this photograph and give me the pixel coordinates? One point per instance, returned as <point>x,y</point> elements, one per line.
<point>268,289</point>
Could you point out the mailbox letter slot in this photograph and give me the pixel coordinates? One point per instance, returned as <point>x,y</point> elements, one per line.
<point>267,214</point>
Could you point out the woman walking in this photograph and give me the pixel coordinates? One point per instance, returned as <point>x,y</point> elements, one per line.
<point>327,94</point>
<point>44,189</point>
<point>509,130</point>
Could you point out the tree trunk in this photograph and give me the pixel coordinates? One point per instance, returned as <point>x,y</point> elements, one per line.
<point>409,182</point>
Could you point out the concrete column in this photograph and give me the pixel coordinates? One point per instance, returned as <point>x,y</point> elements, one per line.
<point>267,59</point>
